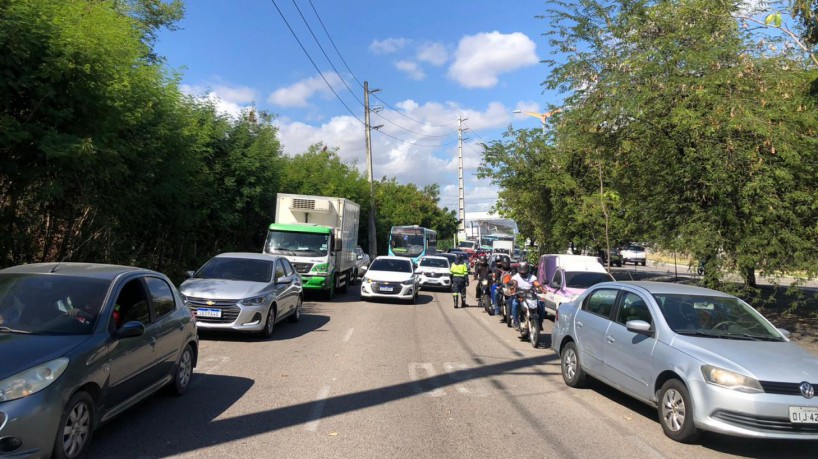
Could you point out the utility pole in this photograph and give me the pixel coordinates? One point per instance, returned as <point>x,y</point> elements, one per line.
<point>373,243</point>
<point>461,203</point>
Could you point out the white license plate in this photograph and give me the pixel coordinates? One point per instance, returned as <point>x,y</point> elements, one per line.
<point>387,289</point>
<point>804,414</point>
<point>203,312</point>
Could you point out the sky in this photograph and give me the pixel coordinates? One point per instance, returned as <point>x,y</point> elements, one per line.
<point>433,62</point>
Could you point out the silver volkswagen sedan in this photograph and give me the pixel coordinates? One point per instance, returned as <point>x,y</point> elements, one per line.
<point>248,292</point>
<point>705,359</point>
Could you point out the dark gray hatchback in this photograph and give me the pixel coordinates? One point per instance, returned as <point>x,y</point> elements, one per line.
<point>80,344</point>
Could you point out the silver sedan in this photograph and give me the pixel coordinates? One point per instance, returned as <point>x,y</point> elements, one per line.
<point>247,292</point>
<point>705,359</point>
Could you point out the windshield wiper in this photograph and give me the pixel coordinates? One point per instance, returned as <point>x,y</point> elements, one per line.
<point>754,337</point>
<point>12,330</point>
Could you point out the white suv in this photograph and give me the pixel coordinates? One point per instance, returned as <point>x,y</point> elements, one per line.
<point>434,272</point>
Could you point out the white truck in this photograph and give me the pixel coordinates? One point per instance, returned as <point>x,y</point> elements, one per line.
<point>319,235</point>
<point>502,247</point>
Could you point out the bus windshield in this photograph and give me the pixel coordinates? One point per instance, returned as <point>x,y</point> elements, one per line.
<point>407,242</point>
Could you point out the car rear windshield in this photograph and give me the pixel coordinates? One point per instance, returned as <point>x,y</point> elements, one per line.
<point>50,304</point>
<point>636,248</point>
<point>585,279</point>
<point>434,262</point>
<point>240,269</point>
<point>398,266</point>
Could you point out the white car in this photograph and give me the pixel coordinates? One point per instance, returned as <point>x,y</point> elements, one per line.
<point>390,277</point>
<point>434,272</point>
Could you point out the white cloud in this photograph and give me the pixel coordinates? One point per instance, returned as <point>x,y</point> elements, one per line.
<point>228,100</point>
<point>411,69</point>
<point>481,58</point>
<point>433,53</point>
<point>299,94</point>
<point>388,46</point>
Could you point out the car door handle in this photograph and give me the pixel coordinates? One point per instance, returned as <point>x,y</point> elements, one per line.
<point>153,342</point>
<point>579,324</point>
<point>181,326</point>
<point>611,339</point>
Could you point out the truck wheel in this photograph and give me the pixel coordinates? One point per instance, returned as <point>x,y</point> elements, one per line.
<point>331,291</point>
<point>345,287</point>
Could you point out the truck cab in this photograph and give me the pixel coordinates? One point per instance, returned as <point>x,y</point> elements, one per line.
<point>565,277</point>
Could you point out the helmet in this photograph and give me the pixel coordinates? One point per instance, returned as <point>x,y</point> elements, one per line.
<point>504,262</point>
<point>482,260</point>
<point>524,268</point>
<point>461,258</point>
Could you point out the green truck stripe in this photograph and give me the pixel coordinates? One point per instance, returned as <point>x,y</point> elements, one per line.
<point>300,228</point>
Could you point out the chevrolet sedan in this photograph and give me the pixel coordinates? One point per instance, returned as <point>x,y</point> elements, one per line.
<point>80,344</point>
<point>707,360</point>
<point>245,292</point>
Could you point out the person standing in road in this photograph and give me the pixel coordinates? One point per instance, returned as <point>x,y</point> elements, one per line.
<point>460,280</point>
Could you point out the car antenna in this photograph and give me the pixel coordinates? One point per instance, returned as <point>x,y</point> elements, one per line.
<point>54,269</point>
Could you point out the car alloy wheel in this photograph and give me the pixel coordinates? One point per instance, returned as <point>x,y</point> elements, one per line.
<point>676,412</point>
<point>296,316</point>
<point>77,427</point>
<point>572,372</point>
<point>184,371</point>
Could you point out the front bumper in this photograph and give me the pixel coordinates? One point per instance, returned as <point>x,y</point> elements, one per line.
<point>761,415</point>
<point>379,290</point>
<point>235,317</point>
<point>316,282</point>
<point>34,420</point>
<point>430,281</point>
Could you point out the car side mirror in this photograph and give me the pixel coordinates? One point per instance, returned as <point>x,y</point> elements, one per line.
<point>130,329</point>
<point>359,257</point>
<point>190,273</point>
<point>639,326</point>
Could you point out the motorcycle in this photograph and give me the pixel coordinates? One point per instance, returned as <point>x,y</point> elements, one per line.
<point>484,295</point>
<point>528,316</point>
<point>505,298</point>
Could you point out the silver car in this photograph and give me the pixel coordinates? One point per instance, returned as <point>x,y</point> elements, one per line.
<point>705,359</point>
<point>247,292</point>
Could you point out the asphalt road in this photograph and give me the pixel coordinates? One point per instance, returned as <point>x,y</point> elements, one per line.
<point>360,380</point>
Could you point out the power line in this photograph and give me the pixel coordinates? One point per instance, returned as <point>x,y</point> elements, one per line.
<point>359,81</point>
<point>314,65</point>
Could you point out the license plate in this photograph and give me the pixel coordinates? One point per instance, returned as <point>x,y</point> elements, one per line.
<point>804,415</point>
<point>204,312</point>
<point>387,289</point>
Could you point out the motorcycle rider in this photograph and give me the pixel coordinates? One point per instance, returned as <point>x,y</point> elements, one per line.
<point>524,280</point>
<point>481,271</point>
<point>501,271</point>
<point>460,280</point>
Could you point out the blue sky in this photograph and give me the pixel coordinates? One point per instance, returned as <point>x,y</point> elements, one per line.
<point>432,60</point>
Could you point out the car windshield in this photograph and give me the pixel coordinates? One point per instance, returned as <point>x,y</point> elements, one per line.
<point>398,266</point>
<point>407,242</point>
<point>450,257</point>
<point>303,244</point>
<point>584,279</point>
<point>241,269</point>
<point>434,262</point>
<point>50,304</point>
<point>467,244</point>
<point>714,316</point>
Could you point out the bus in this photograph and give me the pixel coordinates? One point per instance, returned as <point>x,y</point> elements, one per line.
<point>412,242</point>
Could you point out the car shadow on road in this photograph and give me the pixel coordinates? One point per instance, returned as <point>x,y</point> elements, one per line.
<point>283,330</point>
<point>167,425</point>
<point>746,447</point>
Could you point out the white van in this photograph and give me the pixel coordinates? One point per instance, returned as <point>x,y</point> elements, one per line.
<point>565,277</point>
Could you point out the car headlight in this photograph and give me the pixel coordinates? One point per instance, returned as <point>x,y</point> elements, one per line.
<point>366,280</point>
<point>730,380</point>
<point>408,282</point>
<point>254,301</point>
<point>32,380</point>
<point>320,268</point>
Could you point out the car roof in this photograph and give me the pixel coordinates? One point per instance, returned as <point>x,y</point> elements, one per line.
<point>248,255</point>
<point>438,257</point>
<point>671,288</point>
<point>95,270</point>
<point>389,257</point>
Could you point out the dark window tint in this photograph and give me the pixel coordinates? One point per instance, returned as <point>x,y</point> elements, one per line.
<point>162,296</point>
<point>585,279</point>
<point>288,268</point>
<point>434,262</point>
<point>279,270</point>
<point>131,304</point>
<point>600,302</point>
<point>557,281</point>
<point>399,266</point>
<point>636,248</point>
<point>633,308</point>
<point>243,269</point>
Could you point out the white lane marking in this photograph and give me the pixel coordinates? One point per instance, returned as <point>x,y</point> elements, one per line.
<point>450,368</point>
<point>209,365</point>
<point>317,409</point>
<point>348,335</point>
<point>428,373</point>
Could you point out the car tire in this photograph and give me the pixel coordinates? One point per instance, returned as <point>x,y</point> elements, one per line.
<point>644,263</point>
<point>78,420</point>
<point>330,292</point>
<point>676,412</point>
<point>572,372</point>
<point>296,315</point>
<point>183,371</point>
<point>269,323</point>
